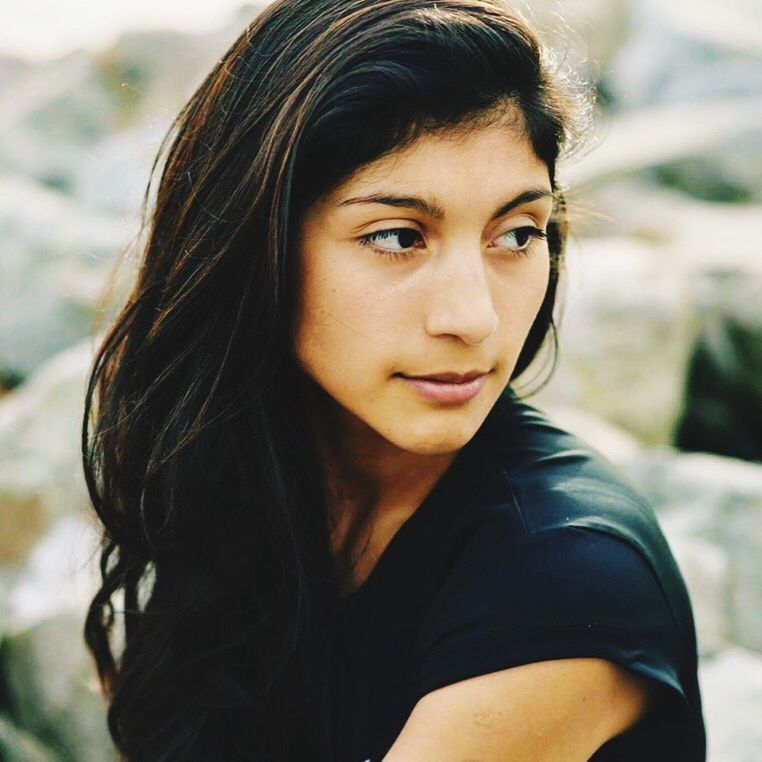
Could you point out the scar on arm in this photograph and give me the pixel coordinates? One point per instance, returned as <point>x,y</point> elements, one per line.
<point>486,721</point>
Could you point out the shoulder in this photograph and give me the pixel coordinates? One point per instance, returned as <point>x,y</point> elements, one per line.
<point>555,478</point>
<point>548,485</point>
<point>563,592</point>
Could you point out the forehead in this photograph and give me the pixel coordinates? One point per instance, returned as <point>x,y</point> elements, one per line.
<point>483,160</point>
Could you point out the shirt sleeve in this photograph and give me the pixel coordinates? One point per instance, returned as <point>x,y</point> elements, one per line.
<point>558,593</point>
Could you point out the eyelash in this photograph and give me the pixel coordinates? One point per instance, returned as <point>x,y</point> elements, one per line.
<point>367,240</point>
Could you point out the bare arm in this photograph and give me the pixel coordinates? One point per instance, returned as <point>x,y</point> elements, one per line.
<point>546,711</point>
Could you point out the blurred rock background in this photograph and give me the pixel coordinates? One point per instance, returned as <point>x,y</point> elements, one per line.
<point>660,363</point>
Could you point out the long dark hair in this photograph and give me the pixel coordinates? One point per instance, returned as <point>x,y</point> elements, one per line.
<point>215,541</point>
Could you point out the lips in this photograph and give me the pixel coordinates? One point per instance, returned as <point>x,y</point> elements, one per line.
<point>447,392</point>
<point>449,377</point>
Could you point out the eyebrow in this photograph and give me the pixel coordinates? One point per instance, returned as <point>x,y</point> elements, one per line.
<point>437,212</point>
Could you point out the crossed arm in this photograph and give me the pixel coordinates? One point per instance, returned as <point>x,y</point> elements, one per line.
<point>548,711</point>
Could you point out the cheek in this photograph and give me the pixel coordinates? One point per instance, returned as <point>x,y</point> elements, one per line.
<point>342,327</point>
<point>540,279</point>
<point>522,294</point>
<point>535,283</point>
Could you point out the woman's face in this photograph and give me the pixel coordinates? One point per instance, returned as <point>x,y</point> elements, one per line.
<point>424,262</point>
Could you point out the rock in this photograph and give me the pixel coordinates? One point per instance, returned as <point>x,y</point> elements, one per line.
<point>617,445</point>
<point>52,689</point>
<point>731,692</point>
<point>689,50</point>
<point>114,176</point>
<point>52,114</point>
<point>672,479</point>
<point>40,469</point>
<point>24,521</point>
<point>662,272</point>
<point>693,235</point>
<point>51,275</point>
<point>12,70</point>
<point>720,161</point>
<point>685,91</point>
<point>17,746</point>
<point>625,336</point>
<point>51,565</point>
<point>60,575</point>
<point>722,409</point>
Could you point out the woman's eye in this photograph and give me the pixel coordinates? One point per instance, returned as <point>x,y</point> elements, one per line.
<point>523,237</point>
<point>405,238</point>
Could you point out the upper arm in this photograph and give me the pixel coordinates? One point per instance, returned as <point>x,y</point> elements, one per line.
<point>538,712</point>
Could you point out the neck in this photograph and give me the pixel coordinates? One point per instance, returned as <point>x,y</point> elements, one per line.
<point>368,479</point>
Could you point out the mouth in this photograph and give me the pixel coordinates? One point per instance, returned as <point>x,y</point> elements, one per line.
<point>449,377</point>
<point>448,388</point>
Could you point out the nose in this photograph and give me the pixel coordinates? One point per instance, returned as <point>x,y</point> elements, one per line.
<point>461,303</point>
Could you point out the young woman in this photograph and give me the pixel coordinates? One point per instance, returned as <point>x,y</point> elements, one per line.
<point>334,529</point>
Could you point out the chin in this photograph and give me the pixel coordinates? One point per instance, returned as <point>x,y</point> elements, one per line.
<point>437,437</point>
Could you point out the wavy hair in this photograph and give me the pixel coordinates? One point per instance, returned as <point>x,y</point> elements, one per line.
<point>215,538</point>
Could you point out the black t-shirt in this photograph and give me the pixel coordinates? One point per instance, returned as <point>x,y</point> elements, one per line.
<point>531,546</point>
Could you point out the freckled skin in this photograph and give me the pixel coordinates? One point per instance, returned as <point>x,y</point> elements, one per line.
<point>464,300</point>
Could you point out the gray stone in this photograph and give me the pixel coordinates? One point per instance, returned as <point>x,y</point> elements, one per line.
<point>731,690</point>
<point>710,149</point>
<point>52,276</point>
<point>686,105</point>
<point>689,50</point>
<point>625,336</point>
<point>59,575</point>
<point>692,235</point>
<point>18,746</point>
<point>53,689</point>
<point>40,470</point>
<point>722,409</point>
